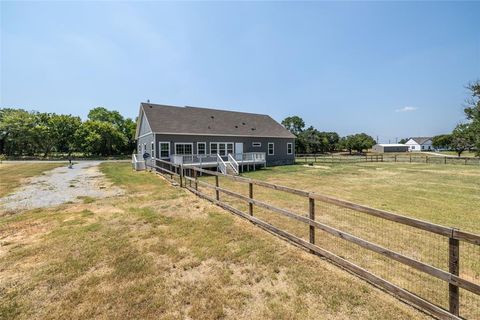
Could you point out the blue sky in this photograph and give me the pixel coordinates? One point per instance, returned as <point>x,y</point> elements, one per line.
<point>389,69</point>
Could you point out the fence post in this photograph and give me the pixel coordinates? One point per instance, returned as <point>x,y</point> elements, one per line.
<point>395,158</point>
<point>410,158</point>
<point>250,194</point>
<point>311,215</point>
<point>426,159</point>
<point>196,179</point>
<point>217,193</point>
<point>181,175</point>
<point>453,268</point>
<point>466,160</point>
<point>445,160</point>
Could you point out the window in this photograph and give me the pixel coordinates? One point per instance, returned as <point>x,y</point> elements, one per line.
<point>164,149</point>
<point>289,148</point>
<point>152,149</point>
<point>213,148</point>
<point>222,148</point>
<point>423,147</point>
<point>271,149</point>
<point>139,148</point>
<point>256,144</point>
<point>183,148</point>
<point>201,148</point>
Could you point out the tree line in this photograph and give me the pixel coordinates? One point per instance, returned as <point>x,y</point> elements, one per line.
<point>311,140</point>
<point>465,136</point>
<point>31,133</point>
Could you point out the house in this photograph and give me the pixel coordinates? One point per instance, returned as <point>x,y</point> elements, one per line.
<point>210,137</point>
<point>390,147</point>
<point>419,144</point>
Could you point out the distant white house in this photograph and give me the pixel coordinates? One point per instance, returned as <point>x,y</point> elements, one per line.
<point>419,144</point>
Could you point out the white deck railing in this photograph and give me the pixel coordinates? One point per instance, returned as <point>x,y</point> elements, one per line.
<point>233,163</point>
<point>250,156</point>
<point>257,157</point>
<point>136,163</point>
<point>221,164</point>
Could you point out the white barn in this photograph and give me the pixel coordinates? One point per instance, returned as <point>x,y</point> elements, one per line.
<point>419,144</point>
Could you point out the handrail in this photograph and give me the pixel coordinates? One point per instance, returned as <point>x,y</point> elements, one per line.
<point>233,162</point>
<point>221,164</point>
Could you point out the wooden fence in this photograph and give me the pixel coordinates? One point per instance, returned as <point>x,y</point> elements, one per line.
<point>427,255</point>
<point>386,157</point>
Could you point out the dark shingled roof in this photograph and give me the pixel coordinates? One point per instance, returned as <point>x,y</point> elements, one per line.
<point>421,140</point>
<point>203,121</point>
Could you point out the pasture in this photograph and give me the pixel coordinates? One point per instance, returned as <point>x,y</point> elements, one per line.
<point>448,195</point>
<point>159,252</point>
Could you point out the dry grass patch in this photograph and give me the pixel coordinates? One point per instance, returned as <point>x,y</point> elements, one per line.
<point>158,252</point>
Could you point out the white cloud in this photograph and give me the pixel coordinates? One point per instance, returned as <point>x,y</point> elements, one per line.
<point>406,109</point>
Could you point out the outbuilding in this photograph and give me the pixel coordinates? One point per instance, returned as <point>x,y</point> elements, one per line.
<point>389,147</point>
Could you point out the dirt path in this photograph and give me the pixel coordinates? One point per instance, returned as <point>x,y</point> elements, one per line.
<point>59,186</point>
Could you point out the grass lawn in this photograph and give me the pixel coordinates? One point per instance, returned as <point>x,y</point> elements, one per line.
<point>159,252</point>
<point>464,154</point>
<point>444,194</point>
<point>12,174</point>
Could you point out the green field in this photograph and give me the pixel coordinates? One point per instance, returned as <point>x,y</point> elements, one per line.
<point>443,194</point>
<point>159,252</point>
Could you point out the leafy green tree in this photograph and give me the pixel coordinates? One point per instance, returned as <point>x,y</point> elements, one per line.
<point>17,134</point>
<point>463,138</point>
<point>65,127</point>
<point>294,124</point>
<point>443,141</point>
<point>403,141</point>
<point>100,138</point>
<point>472,112</point>
<point>357,142</point>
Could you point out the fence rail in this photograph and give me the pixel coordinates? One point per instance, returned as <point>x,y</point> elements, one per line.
<point>385,157</point>
<point>458,269</point>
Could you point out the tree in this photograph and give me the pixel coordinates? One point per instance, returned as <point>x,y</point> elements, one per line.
<point>472,112</point>
<point>17,132</point>
<point>357,142</point>
<point>443,141</point>
<point>66,126</point>
<point>462,138</point>
<point>294,124</point>
<point>403,141</point>
<point>99,138</point>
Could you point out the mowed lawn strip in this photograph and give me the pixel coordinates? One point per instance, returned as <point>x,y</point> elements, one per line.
<point>160,252</point>
<point>12,174</point>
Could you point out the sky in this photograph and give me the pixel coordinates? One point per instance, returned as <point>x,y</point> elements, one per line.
<point>390,69</point>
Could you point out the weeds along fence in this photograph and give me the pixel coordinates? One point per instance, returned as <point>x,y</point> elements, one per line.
<point>433,267</point>
<point>385,157</point>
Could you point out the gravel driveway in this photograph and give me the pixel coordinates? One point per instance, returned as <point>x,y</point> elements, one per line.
<point>59,186</point>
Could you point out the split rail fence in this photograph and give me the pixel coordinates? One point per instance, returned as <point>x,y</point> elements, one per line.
<point>385,157</point>
<point>433,267</point>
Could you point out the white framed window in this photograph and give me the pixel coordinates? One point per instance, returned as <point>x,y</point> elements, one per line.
<point>164,148</point>
<point>139,148</point>
<point>256,144</point>
<point>213,148</point>
<point>271,148</point>
<point>201,148</point>
<point>289,148</point>
<point>222,148</point>
<point>152,149</point>
<point>184,148</point>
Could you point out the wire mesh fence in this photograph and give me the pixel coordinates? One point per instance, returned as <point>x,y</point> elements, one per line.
<point>410,258</point>
<point>387,157</point>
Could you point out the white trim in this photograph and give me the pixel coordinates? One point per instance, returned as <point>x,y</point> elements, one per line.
<point>190,143</point>
<point>291,147</point>
<point>256,144</point>
<point>144,135</point>
<point>160,149</point>
<point>152,149</point>
<point>205,148</point>
<point>140,117</point>
<point>268,149</point>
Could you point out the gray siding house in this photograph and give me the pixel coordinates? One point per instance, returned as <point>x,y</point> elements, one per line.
<point>191,135</point>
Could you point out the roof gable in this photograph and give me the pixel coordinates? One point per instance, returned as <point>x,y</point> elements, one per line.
<point>204,121</point>
<point>421,140</point>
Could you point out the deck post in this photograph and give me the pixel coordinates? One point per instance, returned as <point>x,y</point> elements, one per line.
<point>311,215</point>
<point>453,268</point>
<point>250,194</point>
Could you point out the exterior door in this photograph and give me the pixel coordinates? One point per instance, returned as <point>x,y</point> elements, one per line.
<point>238,147</point>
